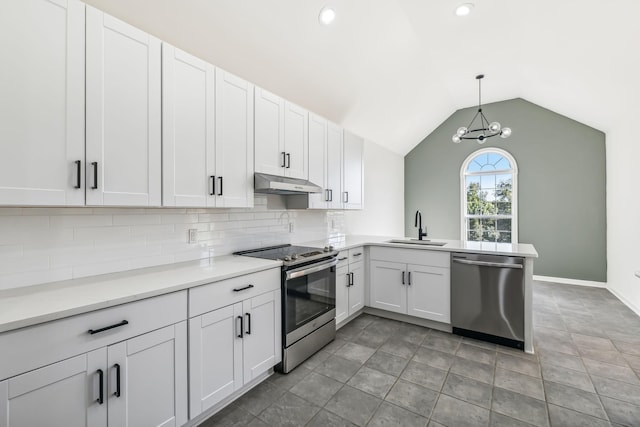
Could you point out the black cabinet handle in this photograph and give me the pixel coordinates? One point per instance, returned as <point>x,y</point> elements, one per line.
<point>326,195</point>
<point>409,279</point>
<point>78,172</point>
<point>220,193</point>
<point>241,334</point>
<point>117,393</point>
<point>342,259</point>
<point>288,160</point>
<point>350,279</point>
<point>284,159</point>
<point>95,175</point>
<point>346,197</point>
<point>248,323</point>
<point>358,254</point>
<point>331,195</point>
<point>212,181</point>
<point>106,328</point>
<point>101,385</point>
<point>403,277</point>
<point>243,288</point>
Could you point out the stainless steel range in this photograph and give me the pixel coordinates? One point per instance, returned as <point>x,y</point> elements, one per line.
<point>308,299</point>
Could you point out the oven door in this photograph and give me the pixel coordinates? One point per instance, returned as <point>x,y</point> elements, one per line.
<point>309,299</point>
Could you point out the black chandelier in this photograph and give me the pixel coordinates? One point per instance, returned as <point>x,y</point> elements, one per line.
<point>485,129</point>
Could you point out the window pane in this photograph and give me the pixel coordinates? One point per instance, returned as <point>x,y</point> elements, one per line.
<point>473,229</point>
<point>488,182</point>
<point>504,237</point>
<point>504,187</point>
<point>503,208</point>
<point>474,199</point>
<point>503,164</point>
<point>489,208</point>
<point>504,225</point>
<point>474,166</point>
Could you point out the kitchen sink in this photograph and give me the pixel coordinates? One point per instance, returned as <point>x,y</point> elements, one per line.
<point>417,242</point>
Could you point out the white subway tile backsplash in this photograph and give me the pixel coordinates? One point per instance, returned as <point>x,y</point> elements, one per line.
<point>41,245</point>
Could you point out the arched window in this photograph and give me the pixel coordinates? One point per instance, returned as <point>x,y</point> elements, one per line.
<point>489,187</point>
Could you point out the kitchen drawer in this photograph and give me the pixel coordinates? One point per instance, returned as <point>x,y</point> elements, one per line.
<point>212,296</point>
<point>35,346</point>
<point>410,256</point>
<point>356,254</point>
<point>343,258</point>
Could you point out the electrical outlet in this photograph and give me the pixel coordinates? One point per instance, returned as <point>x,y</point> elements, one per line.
<point>290,227</point>
<point>192,236</point>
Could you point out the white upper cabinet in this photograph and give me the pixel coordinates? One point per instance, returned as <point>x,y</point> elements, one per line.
<point>269,133</point>
<point>188,138</point>
<point>207,133</point>
<point>123,119</point>
<point>325,162</point>
<point>353,172</point>
<point>318,160</point>
<point>281,136</point>
<point>334,165</point>
<point>296,141</point>
<point>233,179</point>
<point>42,103</point>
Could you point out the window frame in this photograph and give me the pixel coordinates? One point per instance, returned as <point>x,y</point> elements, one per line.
<point>514,194</point>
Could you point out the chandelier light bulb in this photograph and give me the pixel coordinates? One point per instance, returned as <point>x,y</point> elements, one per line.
<point>456,139</point>
<point>494,127</point>
<point>461,131</point>
<point>506,133</point>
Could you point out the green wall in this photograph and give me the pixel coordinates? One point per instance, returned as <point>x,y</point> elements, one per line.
<point>561,185</point>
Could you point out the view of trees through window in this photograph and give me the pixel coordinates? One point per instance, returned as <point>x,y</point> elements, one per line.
<point>489,198</point>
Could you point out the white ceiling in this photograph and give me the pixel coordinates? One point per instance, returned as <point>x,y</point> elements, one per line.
<point>393,70</point>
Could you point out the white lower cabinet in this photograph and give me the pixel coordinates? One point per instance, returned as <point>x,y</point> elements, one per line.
<point>420,290</point>
<point>350,282</point>
<point>121,366</point>
<point>232,345</point>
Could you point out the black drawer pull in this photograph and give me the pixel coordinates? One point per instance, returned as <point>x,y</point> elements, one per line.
<point>242,289</point>
<point>106,328</point>
<point>342,259</point>
<point>248,323</point>
<point>284,159</point>
<point>78,174</point>
<point>288,160</point>
<point>101,385</point>
<point>117,393</point>
<point>220,193</point>
<point>95,175</point>
<point>241,334</point>
<point>212,178</point>
<point>358,254</point>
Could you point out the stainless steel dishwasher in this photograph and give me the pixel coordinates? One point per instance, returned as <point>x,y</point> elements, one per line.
<point>487,298</point>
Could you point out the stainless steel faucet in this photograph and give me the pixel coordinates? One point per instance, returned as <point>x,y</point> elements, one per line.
<point>418,224</point>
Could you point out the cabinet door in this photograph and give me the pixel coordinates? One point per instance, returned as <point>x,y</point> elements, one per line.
<point>187,129</point>
<point>42,103</point>
<point>318,160</point>
<point>429,293</point>
<point>353,173</point>
<point>356,290</point>
<point>234,141</point>
<point>147,379</point>
<point>296,141</point>
<point>269,133</point>
<point>334,165</point>
<point>262,334</point>
<point>64,394</point>
<point>123,120</point>
<point>342,293</point>
<point>215,357</point>
<point>387,291</point>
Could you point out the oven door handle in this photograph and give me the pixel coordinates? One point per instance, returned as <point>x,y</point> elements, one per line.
<point>306,270</point>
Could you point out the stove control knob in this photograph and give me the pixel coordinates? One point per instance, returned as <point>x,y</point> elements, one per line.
<point>330,247</point>
<point>326,249</point>
<point>287,258</point>
<point>294,256</point>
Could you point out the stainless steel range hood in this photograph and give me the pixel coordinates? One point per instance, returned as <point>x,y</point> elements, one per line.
<point>272,184</point>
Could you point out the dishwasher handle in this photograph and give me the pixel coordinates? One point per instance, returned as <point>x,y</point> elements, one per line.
<point>487,264</point>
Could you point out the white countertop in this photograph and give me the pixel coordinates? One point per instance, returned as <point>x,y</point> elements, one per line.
<point>513,249</point>
<point>42,303</point>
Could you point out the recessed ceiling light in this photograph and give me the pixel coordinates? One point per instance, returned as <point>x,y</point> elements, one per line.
<point>327,15</point>
<point>464,9</point>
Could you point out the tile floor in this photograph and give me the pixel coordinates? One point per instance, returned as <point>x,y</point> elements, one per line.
<point>380,372</point>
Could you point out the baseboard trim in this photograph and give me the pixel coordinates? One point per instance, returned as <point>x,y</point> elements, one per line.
<point>625,301</point>
<point>566,281</point>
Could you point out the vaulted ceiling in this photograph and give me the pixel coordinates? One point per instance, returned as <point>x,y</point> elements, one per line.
<point>393,70</point>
